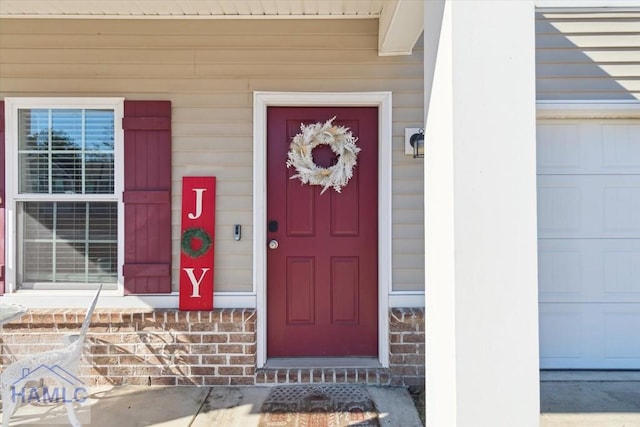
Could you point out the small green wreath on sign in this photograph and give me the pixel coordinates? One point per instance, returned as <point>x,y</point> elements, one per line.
<point>195,233</point>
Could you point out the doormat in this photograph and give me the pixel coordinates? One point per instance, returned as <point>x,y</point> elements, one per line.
<point>318,406</point>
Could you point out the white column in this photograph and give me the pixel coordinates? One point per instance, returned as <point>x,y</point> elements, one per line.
<point>480,195</point>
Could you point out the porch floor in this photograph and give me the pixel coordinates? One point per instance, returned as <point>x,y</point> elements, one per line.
<point>173,406</point>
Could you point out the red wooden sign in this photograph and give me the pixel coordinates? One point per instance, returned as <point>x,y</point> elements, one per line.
<point>197,242</point>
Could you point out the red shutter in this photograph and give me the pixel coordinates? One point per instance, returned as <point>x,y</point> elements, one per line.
<point>147,197</point>
<point>2,242</point>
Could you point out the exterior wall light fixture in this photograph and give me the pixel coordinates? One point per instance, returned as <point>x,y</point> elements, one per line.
<point>414,142</point>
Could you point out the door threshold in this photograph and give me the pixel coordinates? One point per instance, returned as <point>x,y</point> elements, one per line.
<point>322,362</point>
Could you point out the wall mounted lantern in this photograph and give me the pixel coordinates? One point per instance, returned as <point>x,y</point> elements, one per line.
<point>414,142</point>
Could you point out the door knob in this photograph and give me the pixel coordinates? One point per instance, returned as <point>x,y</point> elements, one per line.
<point>273,244</point>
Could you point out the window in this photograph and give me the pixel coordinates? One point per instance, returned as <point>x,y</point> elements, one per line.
<point>63,169</point>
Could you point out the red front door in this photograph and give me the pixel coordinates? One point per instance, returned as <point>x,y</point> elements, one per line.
<point>322,279</point>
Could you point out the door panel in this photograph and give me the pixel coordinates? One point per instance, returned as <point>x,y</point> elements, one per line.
<point>322,279</point>
<point>589,243</point>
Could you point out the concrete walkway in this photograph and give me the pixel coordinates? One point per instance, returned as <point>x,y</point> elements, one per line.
<point>567,399</point>
<point>138,406</point>
<point>590,399</point>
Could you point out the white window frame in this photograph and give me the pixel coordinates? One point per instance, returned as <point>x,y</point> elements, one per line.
<point>13,196</point>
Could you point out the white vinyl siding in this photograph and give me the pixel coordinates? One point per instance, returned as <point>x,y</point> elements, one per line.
<point>588,56</point>
<point>209,70</point>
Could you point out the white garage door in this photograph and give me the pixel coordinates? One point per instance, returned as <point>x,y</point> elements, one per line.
<point>589,244</point>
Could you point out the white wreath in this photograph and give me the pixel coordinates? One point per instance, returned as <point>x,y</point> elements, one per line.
<point>341,141</point>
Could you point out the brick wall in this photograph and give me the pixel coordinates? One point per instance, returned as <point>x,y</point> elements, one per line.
<point>407,346</point>
<point>159,347</point>
<point>168,347</point>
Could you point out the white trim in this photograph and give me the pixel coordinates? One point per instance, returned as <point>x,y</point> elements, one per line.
<point>587,5</point>
<point>12,105</point>
<point>588,109</point>
<point>406,299</point>
<point>180,17</point>
<point>261,100</point>
<point>113,299</point>
<point>400,25</point>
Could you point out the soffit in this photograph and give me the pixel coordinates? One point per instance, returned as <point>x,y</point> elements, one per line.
<point>401,21</point>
